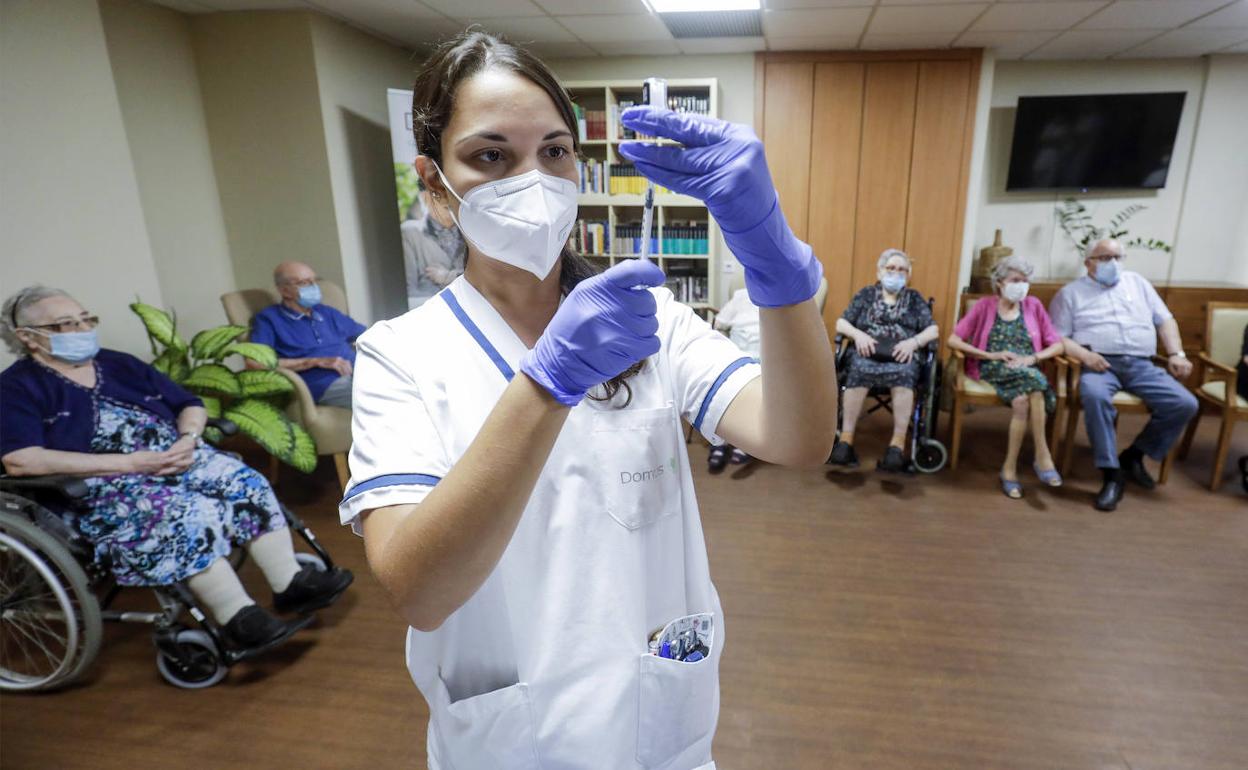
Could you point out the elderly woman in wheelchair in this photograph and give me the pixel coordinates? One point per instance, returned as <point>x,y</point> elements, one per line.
<point>160,507</point>
<point>888,324</point>
<point>1005,337</point>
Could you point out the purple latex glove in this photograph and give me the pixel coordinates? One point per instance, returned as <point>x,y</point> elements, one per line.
<point>723,165</point>
<point>605,325</point>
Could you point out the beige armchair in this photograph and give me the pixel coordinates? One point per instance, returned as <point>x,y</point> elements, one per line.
<point>1224,333</point>
<point>329,426</point>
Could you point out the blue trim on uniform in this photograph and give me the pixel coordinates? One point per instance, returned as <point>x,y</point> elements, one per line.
<point>391,480</point>
<point>715,386</point>
<point>477,334</point>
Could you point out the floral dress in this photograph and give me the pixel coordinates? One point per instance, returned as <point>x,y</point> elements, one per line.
<point>1012,383</point>
<point>157,530</point>
<point>901,320</point>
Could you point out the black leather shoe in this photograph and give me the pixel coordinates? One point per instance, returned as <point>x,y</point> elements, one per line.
<point>718,458</point>
<point>1110,495</point>
<point>253,627</point>
<point>1132,464</point>
<point>843,454</point>
<point>312,589</point>
<point>893,461</point>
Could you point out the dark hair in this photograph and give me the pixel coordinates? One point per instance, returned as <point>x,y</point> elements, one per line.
<point>433,100</point>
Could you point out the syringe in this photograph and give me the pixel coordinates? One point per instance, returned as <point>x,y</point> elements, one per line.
<point>653,93</point>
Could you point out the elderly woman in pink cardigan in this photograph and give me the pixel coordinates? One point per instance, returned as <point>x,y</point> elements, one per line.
<point>1005,338</point>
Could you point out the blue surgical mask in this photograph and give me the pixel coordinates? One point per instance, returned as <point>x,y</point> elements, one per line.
<point>74,347</point>
<point>309,296</point>
<point>1107,273</point>
<point>893,282</point>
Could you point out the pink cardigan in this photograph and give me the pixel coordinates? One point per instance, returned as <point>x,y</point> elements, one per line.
<point>976,325</point>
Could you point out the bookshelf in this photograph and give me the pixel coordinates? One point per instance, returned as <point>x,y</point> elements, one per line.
<point>686,241</point>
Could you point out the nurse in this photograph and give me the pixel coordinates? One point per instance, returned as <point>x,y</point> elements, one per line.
<point>518,472</point>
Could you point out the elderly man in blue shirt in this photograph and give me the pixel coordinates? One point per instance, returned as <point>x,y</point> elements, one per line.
<point>1110,320</point>
<point>312,339</point>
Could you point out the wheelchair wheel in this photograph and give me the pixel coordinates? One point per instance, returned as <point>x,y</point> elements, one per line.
<point>930,456</point>
<point>310,558</point>
<point>49,619</point>
<point>196,663</point>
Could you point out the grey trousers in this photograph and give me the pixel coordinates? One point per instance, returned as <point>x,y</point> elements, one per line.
<point>338,393</point>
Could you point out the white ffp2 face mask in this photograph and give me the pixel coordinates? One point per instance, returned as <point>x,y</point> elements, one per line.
<point>522,220</point>
<point>1015,292</point>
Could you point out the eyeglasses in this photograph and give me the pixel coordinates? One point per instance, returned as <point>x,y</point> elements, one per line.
<point>896,269</point>
<point>87,322</point>
<point>1104,257</point>
<point>303,283</point>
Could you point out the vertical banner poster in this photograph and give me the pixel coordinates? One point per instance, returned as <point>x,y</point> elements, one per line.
<point>433,249</point>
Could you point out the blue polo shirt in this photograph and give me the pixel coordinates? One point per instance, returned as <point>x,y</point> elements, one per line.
<point>322,333</point>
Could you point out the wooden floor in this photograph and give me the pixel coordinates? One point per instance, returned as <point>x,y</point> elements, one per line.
<point>872,622</point>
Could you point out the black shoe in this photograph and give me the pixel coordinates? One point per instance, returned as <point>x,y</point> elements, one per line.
<point>894,461</point>
<point>843,454</point>
<point>1132,463</point>
<point>718,458</point>
<point>1111,492</point>
<point>254,628</point>
<point>739,457</point>
<point>312,589</point>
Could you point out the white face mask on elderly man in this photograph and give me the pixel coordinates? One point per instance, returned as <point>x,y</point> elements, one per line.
<point>522,220</point>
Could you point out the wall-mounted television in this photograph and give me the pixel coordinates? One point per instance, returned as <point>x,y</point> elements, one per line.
<point>1096,141</point>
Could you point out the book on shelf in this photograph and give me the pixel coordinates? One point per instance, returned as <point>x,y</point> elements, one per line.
<point>625,179</point>
<point>686,238</point>
<point>626,240</point>
<point>591,237</point>
<point>591,175</point>
<point>699,105</point>
<point>687,288</point>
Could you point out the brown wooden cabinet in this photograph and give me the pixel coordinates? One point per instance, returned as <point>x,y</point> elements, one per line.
<point>871,150</point>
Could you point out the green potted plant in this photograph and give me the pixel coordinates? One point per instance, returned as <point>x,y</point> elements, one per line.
<point>251,398</point>
<point>1076,222</point>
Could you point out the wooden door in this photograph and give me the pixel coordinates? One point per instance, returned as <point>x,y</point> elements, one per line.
<point>878,158</point>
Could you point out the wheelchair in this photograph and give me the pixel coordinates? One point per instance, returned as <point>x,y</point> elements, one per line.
<point>55,595</point>
<point>926,455</point>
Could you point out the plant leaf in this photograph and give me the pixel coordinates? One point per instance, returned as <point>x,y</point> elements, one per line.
<point>304,455</point>
<point>214,379</point>
<point>172,363</point>
<point>263,422</point>
<point>158,323</point>
<point>212,406</point>
<point>261,354</point>
<point>209,342</point>
<point>262,383</point>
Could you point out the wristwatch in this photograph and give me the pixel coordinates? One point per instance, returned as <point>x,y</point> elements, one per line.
<point>1180,354</point>
<point>199,441</point>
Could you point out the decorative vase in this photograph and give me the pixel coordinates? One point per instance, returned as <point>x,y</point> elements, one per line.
<point>989,256</point>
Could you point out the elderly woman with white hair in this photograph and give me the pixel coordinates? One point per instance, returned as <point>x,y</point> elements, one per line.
<point>888,323</point>
<point>1005,337</point>
<point>162,507</point>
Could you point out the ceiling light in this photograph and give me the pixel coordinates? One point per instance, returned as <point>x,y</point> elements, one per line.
<point>685,6</point>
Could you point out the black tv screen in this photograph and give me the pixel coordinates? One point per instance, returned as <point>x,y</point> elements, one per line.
<point>1094,141</point>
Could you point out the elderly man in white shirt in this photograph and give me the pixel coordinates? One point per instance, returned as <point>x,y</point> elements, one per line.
<point>1110,320</point>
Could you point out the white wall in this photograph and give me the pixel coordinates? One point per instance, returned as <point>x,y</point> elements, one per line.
<point>258,77</point>
<point>1213,234</point>
<point>72,213</point>
<point>153,66</point>
<point>1027,218</point>
<point>353,72</point>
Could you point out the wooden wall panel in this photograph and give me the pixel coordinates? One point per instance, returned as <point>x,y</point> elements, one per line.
<point>933,228</point>
<point>787,103</point>
<point>884,168</point>
<point>834,161</point>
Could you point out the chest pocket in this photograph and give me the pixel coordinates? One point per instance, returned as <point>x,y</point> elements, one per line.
<point>637,453</point>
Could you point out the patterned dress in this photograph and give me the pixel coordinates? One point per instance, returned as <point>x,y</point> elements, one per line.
<point>901,320</point>
<point>1012,383</point>
<point>157,530</point>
